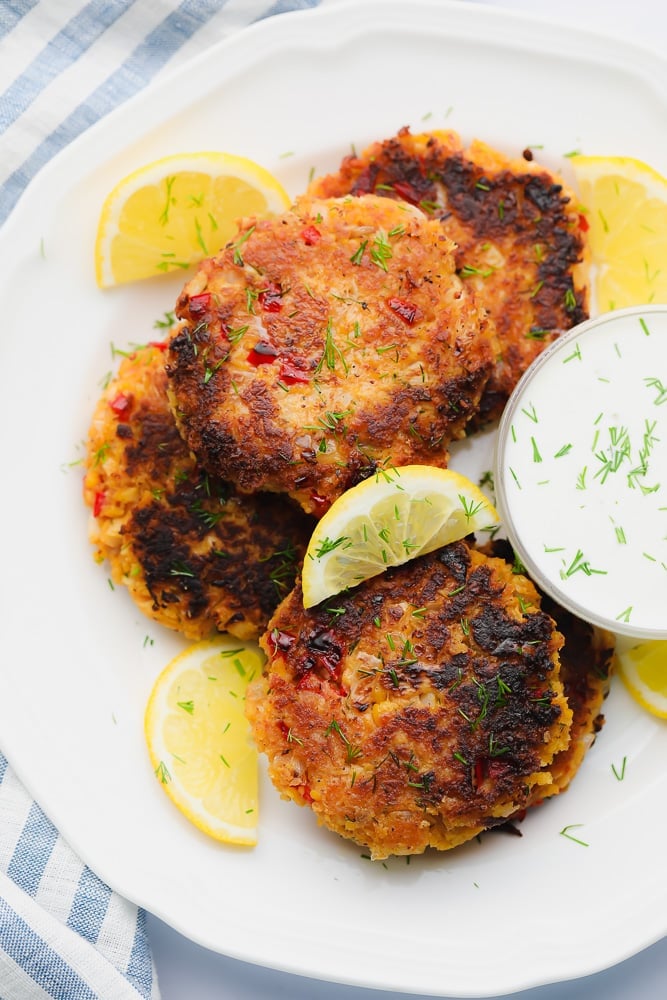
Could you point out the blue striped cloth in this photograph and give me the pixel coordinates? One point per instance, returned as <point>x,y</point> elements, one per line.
<point>63,932</point>
<point>64,64</point>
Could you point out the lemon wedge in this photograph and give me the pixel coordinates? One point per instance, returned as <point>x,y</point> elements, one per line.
<point>384,521</point>
<point>175,211</point>
<point>199,739</point>
<point>626,209</point>
<point>643,669</point>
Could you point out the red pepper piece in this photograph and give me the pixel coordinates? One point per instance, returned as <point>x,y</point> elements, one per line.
<point>584,224</point>
<point>270,298</point>
<point>404,309</point>
<point>199,304</point>
<point>480,771</point>
<point>305,791</point>
<point>406,191</point>
<point>290,373</point>
<point>98,502</point>
<point>161,345</point>
<point>262,353</point>
<point>279,642</point>
<point>310,235</point>
<point>320,502</point>
<point>309,681</point>
<point>121,405</point>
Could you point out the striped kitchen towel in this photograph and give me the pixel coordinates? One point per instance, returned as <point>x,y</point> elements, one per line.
<point>64,64</point>
<point>63,932</point>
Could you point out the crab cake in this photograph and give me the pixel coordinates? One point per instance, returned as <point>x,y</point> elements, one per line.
<point>586,659</point>
<point>321,344</point>
<point>585,666</point>
<point>194,555</point>
<point>520,236</point>
<point>417,710</point>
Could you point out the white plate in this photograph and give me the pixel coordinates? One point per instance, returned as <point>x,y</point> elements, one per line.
<point>76,665</point>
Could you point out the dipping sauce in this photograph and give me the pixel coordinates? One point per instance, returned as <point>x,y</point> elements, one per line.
<point>581,471</point>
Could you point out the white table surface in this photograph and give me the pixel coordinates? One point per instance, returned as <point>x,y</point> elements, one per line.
<point>189,972</point>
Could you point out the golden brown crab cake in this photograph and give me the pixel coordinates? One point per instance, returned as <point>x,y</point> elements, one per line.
<point>194,555</point>
<point>586,662</point>
<point>586,659</point>
<point>418,709</point>
<point>519,234</point>
<point>324,343</point>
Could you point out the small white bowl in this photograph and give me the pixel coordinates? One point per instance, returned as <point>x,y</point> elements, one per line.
<point>581,471</point>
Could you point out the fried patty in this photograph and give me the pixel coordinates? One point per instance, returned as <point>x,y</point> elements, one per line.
<point>419,709</point>
<point>520,237</point>
<point>324,343</point>
<point>194,555</point>
<point>586,659</point>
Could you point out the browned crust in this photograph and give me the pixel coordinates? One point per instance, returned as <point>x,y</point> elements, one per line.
<point>367,359</point>
<point>586,660</point>
<point>520,238</point>
<point>586,664</point>
<point>418,709</point>
<point>194,555</point>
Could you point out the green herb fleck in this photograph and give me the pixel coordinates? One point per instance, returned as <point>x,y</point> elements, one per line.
<point>166,322</point>
<point>580,564</point>
<point>163,218</point>
<point>570,300</point>
<point>565,832</point>
<point>359,252</point>
<point>238,257</point>
<point>620,774</point>
<point>656,383</point>
<point>327,545</point>
<point>381,251</point>
<point>531,413</point>
<point>470,508</point>
<point>162,773</point>
<point>576,353</point>
<point>330,353</point>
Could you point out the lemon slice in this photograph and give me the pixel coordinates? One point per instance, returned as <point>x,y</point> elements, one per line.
<point>626,203</point>
<point>644,672</point>
<point>199,739</point>
<point>175,211</point>
<point>386,520</point>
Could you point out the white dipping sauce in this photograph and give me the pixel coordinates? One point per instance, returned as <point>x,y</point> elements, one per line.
<point>581,471</point>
